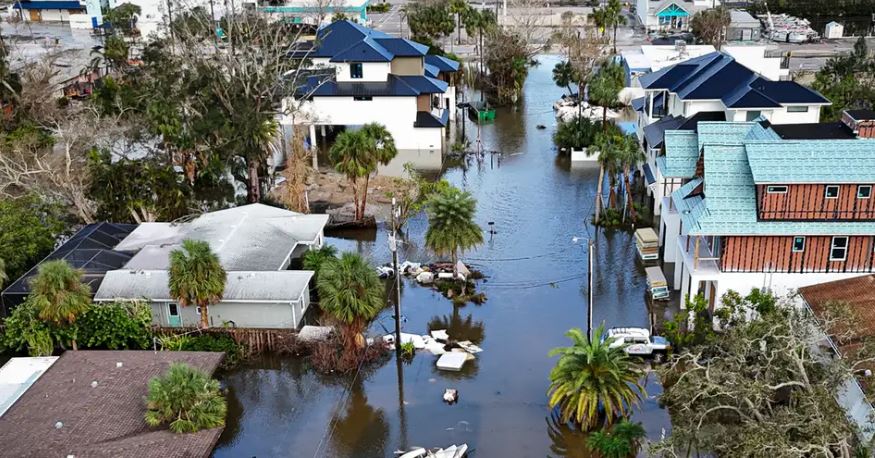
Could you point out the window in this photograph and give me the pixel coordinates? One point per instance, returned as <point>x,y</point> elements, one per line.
<point>751,115</point>
<point>797,109</point>
<point>362,98</point>
<point>839,249</point>
<point>173,310</point>
<point>832,192</point>
<point>798,244</point>
<point>777,190</point>
<point>355,71</point>
<point>864,191</point>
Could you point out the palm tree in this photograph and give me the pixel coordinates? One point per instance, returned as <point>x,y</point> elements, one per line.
<point>3,276</point>
<point>351,292</point>
<point>349,154</point>
<point>591,377</point>
<point>479,22</point>
<point>315,259</point>
<point>58,294</point>
<point>630,154</point>
<point>451,226</point>
<point>564,75</point>
<point>614,17</point>
<point>185,398</point>
<point>459,8</point>
<point>605,88</point>
<point>356,154</point>
<point>196,277</point>
<point>381,150</point>
<point>622,441</point>
<point>600,19</point>
<point>604,144</point>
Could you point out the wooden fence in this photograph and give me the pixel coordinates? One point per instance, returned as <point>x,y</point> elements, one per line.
<point>256,340</point>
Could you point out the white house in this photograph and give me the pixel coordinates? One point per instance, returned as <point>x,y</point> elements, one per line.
<point>255,244</point>
<point>48,10</point>
<point>369,76</point>
<point>759,210</point>
<point>834,30</point>
<point>316,12</point>
<point>670,15</point>
<point>719,85</point>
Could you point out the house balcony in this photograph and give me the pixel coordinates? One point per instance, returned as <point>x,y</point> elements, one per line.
<point>437,117</point>
<point>699,257</point>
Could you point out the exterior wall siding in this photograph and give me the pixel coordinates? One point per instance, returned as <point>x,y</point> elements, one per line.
<point>407,66</point>
<point>809,202</point>
<point>268,315</point>
<point>775,254</point>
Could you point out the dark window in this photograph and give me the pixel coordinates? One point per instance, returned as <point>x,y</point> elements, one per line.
<point>797,109</point>
<point>362,98</point>
<point>355,71</point>
<point>864,191</point>
<point>751,115</point>
<point>173,310</point>
<point>776,189</point>
<point>798,244</point>
<point>832,192</point>
<point>839,249</point>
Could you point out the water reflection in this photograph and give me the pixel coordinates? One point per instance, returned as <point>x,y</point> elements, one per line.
<point>423,161</point>
<point>459,328</point>
<point>359,429</point>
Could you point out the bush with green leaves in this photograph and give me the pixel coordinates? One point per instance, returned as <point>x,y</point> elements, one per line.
<point>620,441</point>
<point>116,325</point>
<point>24,330</point>
<point>234,352</point>
<point>29,227</point>
<point>186,399</point>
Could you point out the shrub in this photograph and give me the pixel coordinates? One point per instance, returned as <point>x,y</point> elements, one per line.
<point>116,325</point>
<point>24,330</point>
<point>234,352</point>
<point>186,399</point>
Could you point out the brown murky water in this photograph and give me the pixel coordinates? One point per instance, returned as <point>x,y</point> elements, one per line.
<point>536,288</point>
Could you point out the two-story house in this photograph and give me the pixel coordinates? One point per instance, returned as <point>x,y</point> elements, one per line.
<point>760,210</point>
<point>670,15</point>
<point>374,77</point>
<point>711,87</point>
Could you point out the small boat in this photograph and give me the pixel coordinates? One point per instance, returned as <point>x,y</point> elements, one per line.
<point>481,112</point>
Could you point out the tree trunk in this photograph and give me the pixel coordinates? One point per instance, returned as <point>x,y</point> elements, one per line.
<point>615,38</point>
<point>205,316</point>
<point>355,197</point>
<point>364,198</point>
<point>75,345</point>
<point>458,28</point>
<point>254,185</point>
<point>598,193</point>
<point>629,198</point>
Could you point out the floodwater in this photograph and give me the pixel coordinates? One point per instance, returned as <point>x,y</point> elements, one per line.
<point>536,288</point>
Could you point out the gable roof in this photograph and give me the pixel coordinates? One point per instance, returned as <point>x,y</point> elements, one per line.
<point>718,76</point>
<point>347,41</point>
<point>105,420</point>
<point>682,154</point>
<point>812,161</point>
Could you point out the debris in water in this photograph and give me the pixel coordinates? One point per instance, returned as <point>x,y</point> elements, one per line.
<point>451,396</point>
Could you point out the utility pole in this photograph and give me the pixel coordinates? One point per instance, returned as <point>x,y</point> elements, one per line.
<point>213,24</point>
<point>393,246</point>
<point>589,290</point>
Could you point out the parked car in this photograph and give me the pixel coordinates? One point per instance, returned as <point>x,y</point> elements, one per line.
<point>639,342</point>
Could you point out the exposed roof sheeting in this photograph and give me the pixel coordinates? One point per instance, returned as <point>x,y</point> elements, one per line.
<point>813,161</point>
<point>682,154</point>
<point>249,237</point>
<point>240,286</point>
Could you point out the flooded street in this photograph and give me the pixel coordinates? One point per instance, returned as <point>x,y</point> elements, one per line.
<point>536,287</point>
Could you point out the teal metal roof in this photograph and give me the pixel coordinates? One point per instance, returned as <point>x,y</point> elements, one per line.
<point>723,133</point>
<point>729,206</point>
<point>813,161</point>
<point>681,154</point>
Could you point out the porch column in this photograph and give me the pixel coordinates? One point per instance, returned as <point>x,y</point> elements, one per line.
<point>650,104</point>
<point>313,148</point>
<point>696,255</point>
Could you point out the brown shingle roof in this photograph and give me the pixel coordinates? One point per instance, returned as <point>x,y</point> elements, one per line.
<point>102,421</point>
<point>857,292</point>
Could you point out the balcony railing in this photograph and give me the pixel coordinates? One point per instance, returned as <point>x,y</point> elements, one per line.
<point>699,255</point>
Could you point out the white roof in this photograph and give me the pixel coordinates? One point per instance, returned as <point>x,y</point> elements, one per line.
<point>622,332</point>
<point>656,57</point>
<point>240,286</point>
<point>249,237</point>
<point>17,375</point>
<point>738,16</point>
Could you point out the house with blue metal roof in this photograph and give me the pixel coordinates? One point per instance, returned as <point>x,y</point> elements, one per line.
<point>712,87</point>
<point>361,75</point>
<point>48,10</point>
<point>759,210</point>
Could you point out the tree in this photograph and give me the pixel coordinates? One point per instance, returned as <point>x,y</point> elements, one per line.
<point>23,329</point>
<point>605,146</point>
<point>29,227</point>
<point>575,134</point>
<point>196,277</point>
<point>123,18</point>
<point>451,226</point>
<point>846,81</point>
<point>3,276</point>
<point>357,154</point>
<point>479,22</point>
<point>621,441</point>
<point>610,16</point>
<point>429,20</point>
<point>186,399</point>
<point>59,296</point>
<point>763,387</point>
<point>460,8</point>
<point>630,154</point>
<point>296,173</point>
<point>592,378</point>
<point>710,26</point>
<point>315,259</point>
<point>351,292</point>
<point>564,75</point>
<point>605,88</point>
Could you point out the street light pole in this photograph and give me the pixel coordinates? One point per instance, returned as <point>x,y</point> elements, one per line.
<point>393,246</point>
<point>589,290</point>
